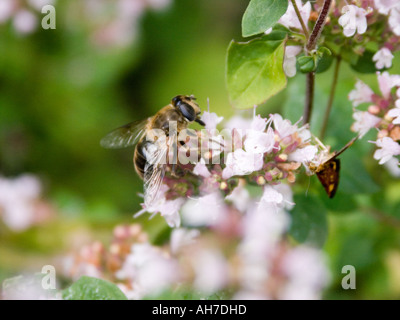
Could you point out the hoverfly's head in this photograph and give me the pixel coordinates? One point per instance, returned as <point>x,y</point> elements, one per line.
<point>188,107</point>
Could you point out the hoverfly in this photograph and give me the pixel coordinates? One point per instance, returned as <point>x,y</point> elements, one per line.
<point>329,168</point>
<point>150,154</point>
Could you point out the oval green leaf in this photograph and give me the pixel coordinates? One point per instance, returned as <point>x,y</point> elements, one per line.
<point>261,15</point>
<point>88,288</point>
<point>254,70</point>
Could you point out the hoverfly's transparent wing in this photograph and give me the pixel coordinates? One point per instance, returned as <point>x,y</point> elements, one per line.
<point>125,136</point>
<point>154,170</point>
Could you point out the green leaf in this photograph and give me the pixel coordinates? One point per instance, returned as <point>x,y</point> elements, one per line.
<point>309,223</point>
<point>261,15</point>
<point>88,288</point>
<point>364,63</point>
<point>255,70</point>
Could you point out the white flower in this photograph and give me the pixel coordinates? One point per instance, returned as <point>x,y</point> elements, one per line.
<point>383,58</point>
<point>242,163</point>
<point>283,126</point>
<point>290,19</point>
<point>211,271</point>
<point>306,272</point>
<point>353,20</point>
<point>169,209</point>
<point>149,269</point>
<point>211,119</point>
<point>278,196</point>
<point>240,198</point>
<point>303,155</point>
<point>181,238</point>
<point>258,123</point>
<point>201,169</point>
<point>39,4</point>
<point>392,165</point>
<point>387,82</point>
<point>289,63</point>
<point>361,94</point>
<point>259,142</point>
<point>384,6</point>
<point>394,21</point>
<point>389,148</point>
<point>17,201</point>
<point>364,122</point>
<point>208,210</point>
<point>395,113</point>
<point>6,9</point>
<point>25,21</point>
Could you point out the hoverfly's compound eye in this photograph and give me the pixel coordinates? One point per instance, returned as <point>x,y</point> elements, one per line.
<point>187,111</point>
<point>176,101</point>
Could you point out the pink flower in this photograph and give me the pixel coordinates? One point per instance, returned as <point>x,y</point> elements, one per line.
<point>6,9</point>
<point>387,82</point>
<point>394,21</point>
<point>211,119</point>
<point>383,58</point>
<point>242,163</point>
<point>361,94</point>
<point>364,122</point>
<point>384,6</point>
<point>290,19</point>
<point>25,21</point>
<point>353,20</point>
<point>389,148</point>
<point>395,113</point>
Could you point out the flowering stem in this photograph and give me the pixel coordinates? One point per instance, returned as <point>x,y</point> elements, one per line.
<point>303,26</point>
<point>315,34</point>
<point>331,97</point>
<point>310,46</point>
<point>310,77</point>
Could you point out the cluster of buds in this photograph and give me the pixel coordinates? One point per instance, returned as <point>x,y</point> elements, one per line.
<point>383,113</point>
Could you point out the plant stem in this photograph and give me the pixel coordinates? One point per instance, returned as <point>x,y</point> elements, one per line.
<point>319,25</point>
<point>331,97</point>
<point>303,25</point>
<point>310,46</point>
<point>310,77</point>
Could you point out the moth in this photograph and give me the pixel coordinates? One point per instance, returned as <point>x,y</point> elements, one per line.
<point>328,170</point>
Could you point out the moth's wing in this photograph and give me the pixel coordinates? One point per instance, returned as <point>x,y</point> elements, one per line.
<point>125,136</point>
<point>154,170</point>
<point>328,175</point>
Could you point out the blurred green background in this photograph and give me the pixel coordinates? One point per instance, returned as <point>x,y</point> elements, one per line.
<point>60,92</point>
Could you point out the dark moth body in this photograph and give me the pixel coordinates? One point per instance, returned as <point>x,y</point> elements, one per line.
<point>328,175</point>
